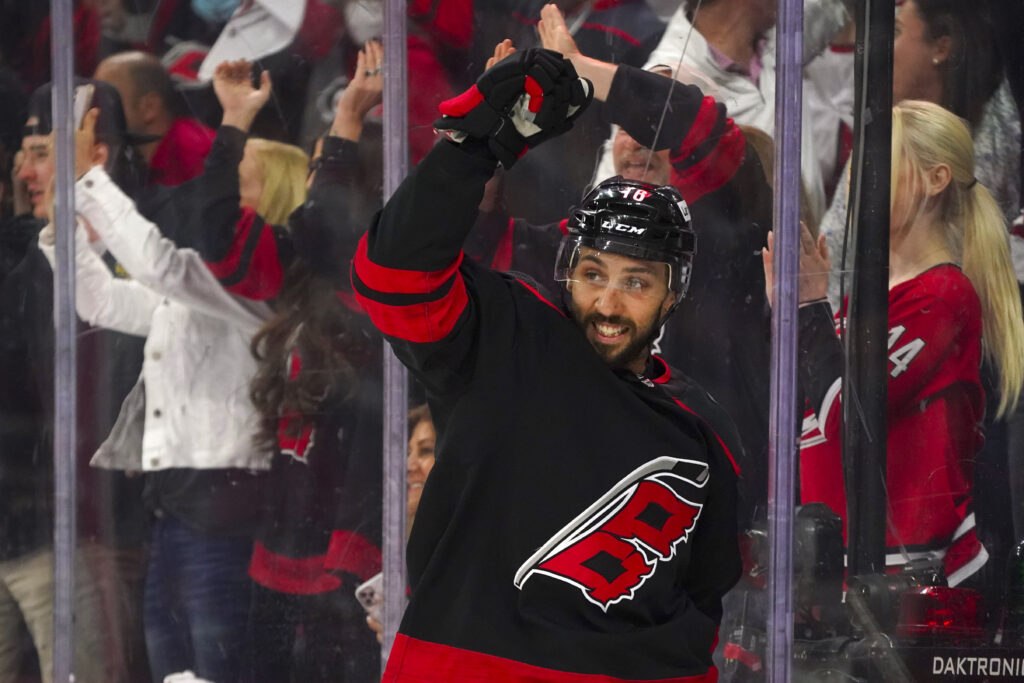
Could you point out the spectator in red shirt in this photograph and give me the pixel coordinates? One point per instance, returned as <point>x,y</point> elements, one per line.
<point>152,106</point>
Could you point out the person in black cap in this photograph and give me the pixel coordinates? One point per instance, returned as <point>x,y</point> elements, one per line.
<point>111,520</point>
<point>114,148</point>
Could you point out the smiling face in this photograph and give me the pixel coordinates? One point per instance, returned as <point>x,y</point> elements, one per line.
<point>37,170</point>
<point>618,302</point>
<point>419,463</point>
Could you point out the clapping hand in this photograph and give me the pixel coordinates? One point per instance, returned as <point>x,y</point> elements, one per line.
<point>363,93</point>
<point>232,83</point>
<point>814,267</point>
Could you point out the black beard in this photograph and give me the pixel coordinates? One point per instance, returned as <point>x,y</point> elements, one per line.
<point>640,346</point>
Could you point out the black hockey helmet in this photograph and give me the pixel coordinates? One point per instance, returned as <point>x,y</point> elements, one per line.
<point>634,219</point>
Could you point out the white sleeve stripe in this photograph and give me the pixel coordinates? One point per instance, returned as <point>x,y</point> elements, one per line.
<point>964,527</point>
<point>826,405</point>
<point>965,572</point>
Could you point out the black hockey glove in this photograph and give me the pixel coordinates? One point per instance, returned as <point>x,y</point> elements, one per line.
<point>518,103</point>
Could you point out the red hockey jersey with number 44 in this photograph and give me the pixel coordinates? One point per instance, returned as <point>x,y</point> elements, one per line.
<point>936,404</point>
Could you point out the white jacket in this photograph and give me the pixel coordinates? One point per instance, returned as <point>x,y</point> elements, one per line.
<point>197,365</point>
<point>754,105</point>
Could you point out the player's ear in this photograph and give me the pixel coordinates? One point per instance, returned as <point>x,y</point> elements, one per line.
<point>666,304</point>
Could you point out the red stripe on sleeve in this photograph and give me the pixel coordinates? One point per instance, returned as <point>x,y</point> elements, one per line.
<point>707,117</point>
<point>228,265</point>
<point>260,275</point>
<point>397,281</point>
<point>353,553</point>
<point>714,170</point>
<point>291,575</point>
<point>422,322</point>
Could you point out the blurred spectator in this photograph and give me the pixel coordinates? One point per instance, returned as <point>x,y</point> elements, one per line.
<point>25,39</point>
<point>284,37</point>
<point>555,176</point>
<point>12,120</point>
<point>730,54</point>
<point>111,525</point>
<point>952,299</point>
<point>832,74</point>
<point>422,440</point>
<point>944,52</point>
<point>316,388</point>
<point>422,444</point>
<point>152,106</point>
<point>428,63</point>
<point>186,425</point>
<point>1009,16</point>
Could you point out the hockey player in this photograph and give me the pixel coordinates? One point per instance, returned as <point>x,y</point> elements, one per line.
<point>580,521</point>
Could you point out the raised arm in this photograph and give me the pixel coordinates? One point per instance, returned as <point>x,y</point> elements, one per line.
<point>406,272</point>
<point>707,148</point>
<point>101,299</point>
<point>327,228</point>
<point>153,260</point>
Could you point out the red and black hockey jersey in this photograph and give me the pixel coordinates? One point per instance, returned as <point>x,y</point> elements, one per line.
<point>936,404</point>
<point>580,523</point>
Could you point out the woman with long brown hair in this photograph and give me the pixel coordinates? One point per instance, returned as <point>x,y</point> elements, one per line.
<point>316,390</point>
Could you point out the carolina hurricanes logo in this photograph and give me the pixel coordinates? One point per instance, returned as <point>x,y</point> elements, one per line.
<point>616,544</point>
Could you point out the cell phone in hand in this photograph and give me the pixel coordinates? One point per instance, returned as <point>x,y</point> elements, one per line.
<point>371,596</point>
<point>83,98</point>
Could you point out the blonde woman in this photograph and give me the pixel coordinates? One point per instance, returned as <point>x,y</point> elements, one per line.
<point>272,179</point>
<point>952,300</point>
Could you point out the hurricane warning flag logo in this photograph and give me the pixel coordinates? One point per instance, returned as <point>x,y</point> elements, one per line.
<point>616,544</point>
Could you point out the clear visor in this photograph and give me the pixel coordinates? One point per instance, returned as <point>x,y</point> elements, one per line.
<point>583,262</point>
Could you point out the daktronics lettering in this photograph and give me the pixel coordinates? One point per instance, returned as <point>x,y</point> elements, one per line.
<point>978,666</point>
<point>616,544</point>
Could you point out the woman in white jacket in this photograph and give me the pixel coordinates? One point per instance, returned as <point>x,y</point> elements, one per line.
<point>188,425</point>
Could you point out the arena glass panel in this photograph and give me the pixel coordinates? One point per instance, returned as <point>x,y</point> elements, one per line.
<point>723,310</point>
<point>906,458</point>
<point>227,447</point>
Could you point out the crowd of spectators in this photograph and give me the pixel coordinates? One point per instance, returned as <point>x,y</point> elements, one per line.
<point>229,425</point>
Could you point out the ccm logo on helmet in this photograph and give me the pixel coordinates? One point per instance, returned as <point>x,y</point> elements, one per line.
<point>617,543</point>
<point>610,224</point>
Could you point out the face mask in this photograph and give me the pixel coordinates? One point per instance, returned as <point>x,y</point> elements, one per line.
<point>214,11</point>
<point>364,19</point>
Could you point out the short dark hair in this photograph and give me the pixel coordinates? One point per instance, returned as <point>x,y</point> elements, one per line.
<point>148,75</point>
